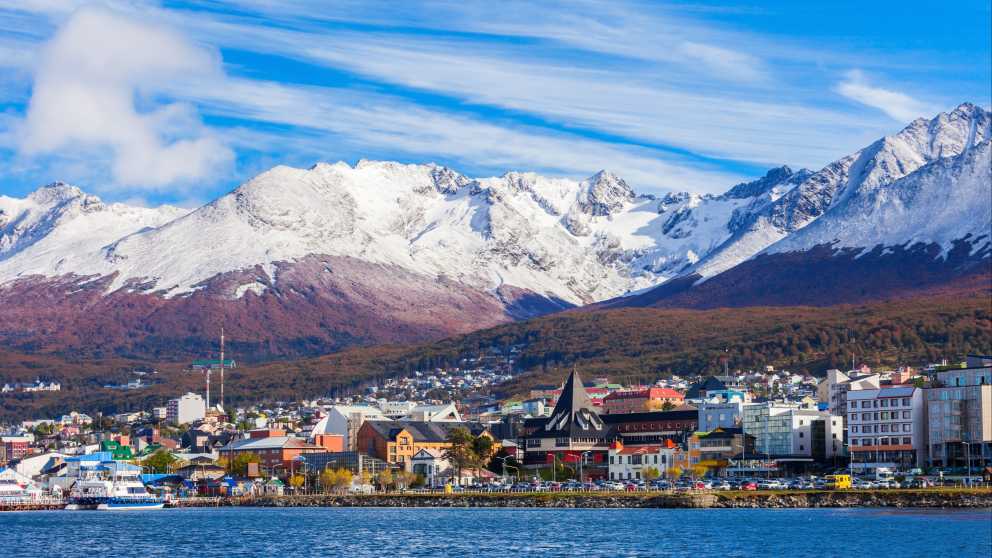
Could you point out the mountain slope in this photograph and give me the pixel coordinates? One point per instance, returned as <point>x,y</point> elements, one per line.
<point>304,261</point>
<point>927,230</point>
<point>886,160</point>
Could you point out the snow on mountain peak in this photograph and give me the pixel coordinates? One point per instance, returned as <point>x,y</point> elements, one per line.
<point>604,193</point>
<point>578,241</point>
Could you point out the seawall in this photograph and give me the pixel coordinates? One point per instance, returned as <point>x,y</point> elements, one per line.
<point>952,498</point>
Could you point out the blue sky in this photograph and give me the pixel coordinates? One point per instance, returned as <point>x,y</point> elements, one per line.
<point>178,102</point>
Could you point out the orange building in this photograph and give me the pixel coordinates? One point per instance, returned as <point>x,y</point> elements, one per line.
<point>641,400</point>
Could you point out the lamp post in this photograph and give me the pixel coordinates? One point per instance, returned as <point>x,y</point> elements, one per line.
<point>503,461</point>
<point>967,458</point>
<point>582,459</point>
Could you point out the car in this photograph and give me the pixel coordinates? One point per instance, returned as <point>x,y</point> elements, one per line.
<point>721,485</point>
<point>749,485</point>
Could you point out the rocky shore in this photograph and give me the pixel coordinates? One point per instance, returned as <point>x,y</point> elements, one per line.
<point>963,498</point>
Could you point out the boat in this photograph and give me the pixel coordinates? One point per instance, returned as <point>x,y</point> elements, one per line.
<point>111,486</point>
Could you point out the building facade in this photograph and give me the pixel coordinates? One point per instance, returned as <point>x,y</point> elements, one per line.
<point>633,463</point>
<point>886,428</point>
<point>959,418</point>
<point>641,400</point>
<point>186,409</point>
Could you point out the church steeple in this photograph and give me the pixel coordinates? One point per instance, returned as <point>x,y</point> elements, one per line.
<point>574,411</point>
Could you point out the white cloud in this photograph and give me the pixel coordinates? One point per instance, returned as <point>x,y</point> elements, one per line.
<point>91,79</point>
<point>724,63</point>
<point>898,105</point>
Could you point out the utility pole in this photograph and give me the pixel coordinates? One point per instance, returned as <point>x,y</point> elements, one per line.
<point>222,367</point>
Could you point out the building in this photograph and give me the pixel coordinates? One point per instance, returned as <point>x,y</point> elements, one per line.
<point>15,447</point>
<point>886,428</point>
<point>186,409</point>
<point>446,412</point>
<point>632,462</point>
<point>573,429</point>
<point>397,442</point>
<point>712,452</point>
<point>277,454</point>
<point>353,461</point>
<point>346,420</point>
<point>576,431</point>
<point>788,432</point>
<point>713,415</point>
<point>833,389</point>
<point>959,417</point>
<point>641,400</point>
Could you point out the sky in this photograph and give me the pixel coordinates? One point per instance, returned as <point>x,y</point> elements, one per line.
<point>151,102</point>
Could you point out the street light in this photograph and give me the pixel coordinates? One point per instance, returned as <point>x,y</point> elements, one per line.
<point>582,459</point>
<point>968,460</point>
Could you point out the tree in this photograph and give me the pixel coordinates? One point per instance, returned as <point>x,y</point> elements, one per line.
<point>385,478</point>
<point>650,473</point>
<point>674,472</point>
<point>366,478</point>
<point>328,479</point>
<point>342,479</point>
<point>238,466</point>
<point>159,461</point>
<point>296,481</point>
<point>461,453</point>
<point>404,479</point>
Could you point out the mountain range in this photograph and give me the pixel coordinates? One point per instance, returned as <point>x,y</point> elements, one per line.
<point>300,262</point>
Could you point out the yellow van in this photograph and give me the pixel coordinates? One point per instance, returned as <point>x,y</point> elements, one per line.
<point>838,482</point>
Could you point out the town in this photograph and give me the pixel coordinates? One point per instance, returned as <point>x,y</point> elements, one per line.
<point>436,430</point>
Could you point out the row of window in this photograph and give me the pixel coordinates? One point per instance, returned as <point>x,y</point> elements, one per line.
<point>881,441</point>
<point>876,403</point>
<point>883,415</point>
<point>876,428</point>
<point>638,459</point>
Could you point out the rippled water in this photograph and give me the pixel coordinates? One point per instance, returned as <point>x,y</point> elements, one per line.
<point>360,532</point>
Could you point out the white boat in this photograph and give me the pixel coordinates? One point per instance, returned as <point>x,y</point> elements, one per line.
<point>110,486</point>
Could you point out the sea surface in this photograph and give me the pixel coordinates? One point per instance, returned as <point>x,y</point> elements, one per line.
<point>502,532</point>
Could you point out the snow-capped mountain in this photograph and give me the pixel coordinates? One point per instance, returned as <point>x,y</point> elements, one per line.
<point>886,160</point>
<point>910,212</point>
<point>334,255</point>
<point>578,242</point>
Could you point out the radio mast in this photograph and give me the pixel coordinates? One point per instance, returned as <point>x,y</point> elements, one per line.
<point>222,367</point>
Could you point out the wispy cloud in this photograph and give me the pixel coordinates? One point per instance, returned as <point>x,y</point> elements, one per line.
<point>665,98</point>
<point>84,97</point>
<point>899,106</point>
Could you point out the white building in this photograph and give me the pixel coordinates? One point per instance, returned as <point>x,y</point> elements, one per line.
<point>186,409</point>
<point>787,430</point>
<point>396,409</point>
<point>630,462</point>
<point>446,412</point>
<point>346,420</point>
<point>833,389</point>
<point>886,428</point>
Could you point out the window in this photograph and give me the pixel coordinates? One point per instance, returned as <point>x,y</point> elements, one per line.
<point>854,429</point>
<point>885,402</point>
<point>905,414</point>
<point>907,427</point>
<point>802,435</point>
<point>907,441</point>
<point>885,428</point>
<point>885,415</point>
<point>906,402</point>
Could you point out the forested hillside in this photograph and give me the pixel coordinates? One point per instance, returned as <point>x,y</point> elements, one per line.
<point>626,344</point>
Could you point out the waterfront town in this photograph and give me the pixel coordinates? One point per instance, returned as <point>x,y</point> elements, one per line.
<point>442,430</point>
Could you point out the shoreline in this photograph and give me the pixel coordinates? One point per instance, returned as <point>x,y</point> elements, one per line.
<point>929,498</point>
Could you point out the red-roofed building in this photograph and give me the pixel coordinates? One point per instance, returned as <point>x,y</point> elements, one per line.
<point>633,462</point>
<point>639,401</point>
